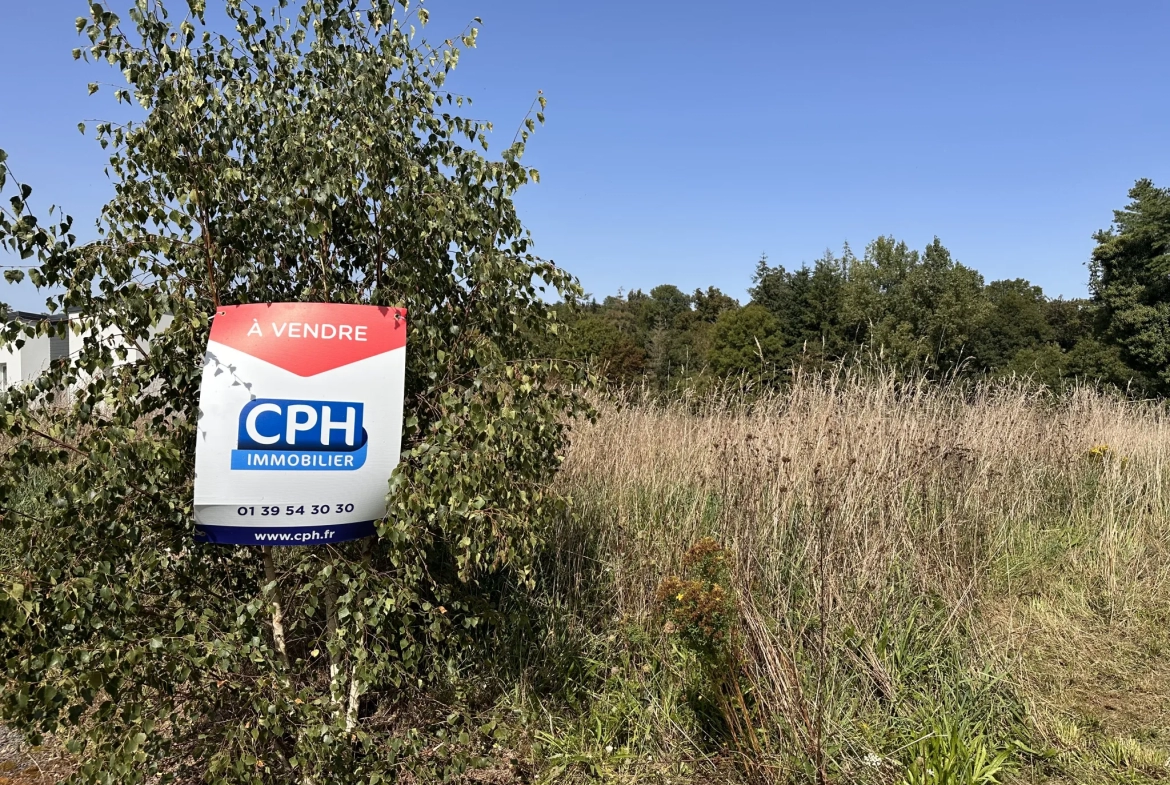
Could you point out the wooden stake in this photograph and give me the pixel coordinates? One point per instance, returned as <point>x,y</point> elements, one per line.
<point>331,635</point>
<point>277,613</point>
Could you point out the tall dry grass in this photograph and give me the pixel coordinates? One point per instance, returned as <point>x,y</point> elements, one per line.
<point>902,550</point>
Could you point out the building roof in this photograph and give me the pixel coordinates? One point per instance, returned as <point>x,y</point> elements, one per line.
<point>30,317</point>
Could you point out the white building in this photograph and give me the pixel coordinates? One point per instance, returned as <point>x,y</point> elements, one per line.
<point>30,361</point>
<point>18,366</point>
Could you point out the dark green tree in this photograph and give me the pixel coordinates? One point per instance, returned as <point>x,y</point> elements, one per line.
<point>870,285</point>
<point>1130,281</point>
<point>1071,321</point>
<point>1017,319</point>
<point>595,338</point>
<point>711,303</point>
<point>666,304</point>
<point>660,322</point>
<point>748,342</point>
<point>770,286</point>
<point>942,301</point>
<point>919,311</point>
<point>808,304</point>
<point>626,314</point>
<point>1087,362</point>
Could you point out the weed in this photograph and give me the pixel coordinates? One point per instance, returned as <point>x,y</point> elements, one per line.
<point>701,610</point>
<point>956,753</point>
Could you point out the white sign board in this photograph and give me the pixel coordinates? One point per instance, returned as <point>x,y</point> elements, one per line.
<point>300,422</point>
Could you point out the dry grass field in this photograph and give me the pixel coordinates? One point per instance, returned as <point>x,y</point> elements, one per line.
<point>952,584</point>
<point>933,584</point>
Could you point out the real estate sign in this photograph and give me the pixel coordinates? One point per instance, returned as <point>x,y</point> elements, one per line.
<point>300,422</point>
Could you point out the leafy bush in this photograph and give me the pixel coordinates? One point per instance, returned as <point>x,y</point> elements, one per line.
<point>701,609</point>
<point>314,157</point>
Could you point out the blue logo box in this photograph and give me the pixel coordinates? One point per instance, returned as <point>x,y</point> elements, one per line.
<point>285,435</point>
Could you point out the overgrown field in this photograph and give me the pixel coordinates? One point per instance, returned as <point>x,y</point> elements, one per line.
<point>931,584</point>
<point>923,584</point>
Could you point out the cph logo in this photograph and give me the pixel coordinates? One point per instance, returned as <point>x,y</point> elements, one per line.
<point>279,435</point>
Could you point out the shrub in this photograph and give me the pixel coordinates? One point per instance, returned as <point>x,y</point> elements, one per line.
<point>316,157</point>
<point>701,610</point>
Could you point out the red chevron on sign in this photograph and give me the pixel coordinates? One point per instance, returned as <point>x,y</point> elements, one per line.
<point>309,338</point>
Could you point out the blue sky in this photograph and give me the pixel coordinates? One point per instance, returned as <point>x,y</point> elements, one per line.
<point>684,139</point>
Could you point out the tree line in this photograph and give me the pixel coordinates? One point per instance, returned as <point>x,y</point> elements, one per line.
<point>923,312</point>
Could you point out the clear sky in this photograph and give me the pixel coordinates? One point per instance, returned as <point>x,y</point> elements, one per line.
<point>684,139</point>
